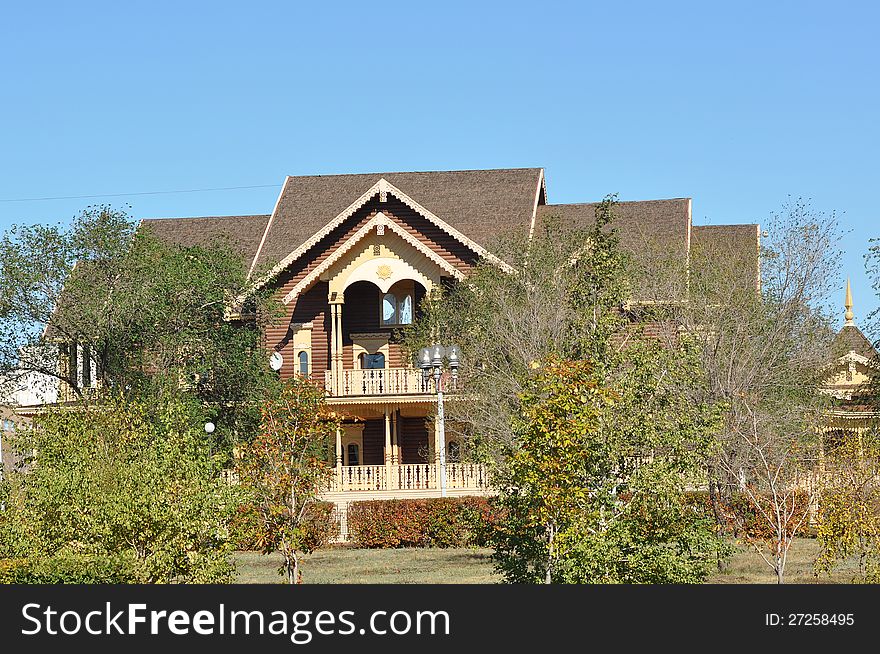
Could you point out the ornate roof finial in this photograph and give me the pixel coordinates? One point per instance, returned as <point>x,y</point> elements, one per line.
<point>848,303</point>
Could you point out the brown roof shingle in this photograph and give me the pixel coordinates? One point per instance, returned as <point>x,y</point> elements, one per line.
<point>653,232</point>
<point>243,232</point>
<point>478,203</point>
<point>851,339</point>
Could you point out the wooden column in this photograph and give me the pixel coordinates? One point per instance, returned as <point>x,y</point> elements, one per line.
<point>339,475</point>
<point>339,366</point>
<point>395,438</point>
<point>332,385</point>
<point>389,470</point>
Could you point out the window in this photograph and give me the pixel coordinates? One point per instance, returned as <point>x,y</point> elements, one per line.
<point>397,304</point>
<point>304,363</point>
<point>372,361</point>
<point>389,309</point>
<point>353,454</point>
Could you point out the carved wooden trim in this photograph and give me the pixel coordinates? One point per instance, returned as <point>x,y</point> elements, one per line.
<point>358,236</point>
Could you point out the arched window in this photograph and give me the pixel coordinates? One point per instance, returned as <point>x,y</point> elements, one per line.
<point>405,310</point>
<point>353,459</point>
<point>304,363</point>
<point>397,304</point>
<point>389,309</point>
<point>372,361</point>
<point>453,452</point>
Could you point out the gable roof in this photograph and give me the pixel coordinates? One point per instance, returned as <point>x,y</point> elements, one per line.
<point>378,219</point>
<point>851,339</point>
<point>477,203</point>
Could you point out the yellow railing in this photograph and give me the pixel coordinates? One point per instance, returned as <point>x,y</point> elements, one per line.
<point>381,381</point>
<point>420,476</point>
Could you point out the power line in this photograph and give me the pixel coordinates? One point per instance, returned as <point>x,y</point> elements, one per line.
<point>120,195</point>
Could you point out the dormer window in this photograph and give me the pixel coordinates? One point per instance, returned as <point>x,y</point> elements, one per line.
<point>397,305</point>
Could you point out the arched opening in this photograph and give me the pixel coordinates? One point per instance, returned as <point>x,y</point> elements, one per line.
<point>398,304</point>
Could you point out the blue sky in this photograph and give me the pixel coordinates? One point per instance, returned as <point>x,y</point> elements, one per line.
<point>737,105</point>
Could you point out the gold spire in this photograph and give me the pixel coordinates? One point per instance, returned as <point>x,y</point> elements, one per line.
<point>848,304</point>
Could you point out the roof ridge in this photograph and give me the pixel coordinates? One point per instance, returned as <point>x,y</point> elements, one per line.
<point>581,204</point>
<point>418,172</point>
<point>248,215</point>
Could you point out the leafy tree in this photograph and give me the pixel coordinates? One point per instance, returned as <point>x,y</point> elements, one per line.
<point>154,317</point>
<point>126,482</point>
<point>285,469</point>
<point>763,332</point>
<point>594,490</point>
<point>849,510</point>
<point>563,299</point>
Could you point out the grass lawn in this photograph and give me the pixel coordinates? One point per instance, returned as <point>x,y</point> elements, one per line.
<point>345,565</point>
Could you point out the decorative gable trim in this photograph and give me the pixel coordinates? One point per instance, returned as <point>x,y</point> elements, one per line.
<point>542,188</point>
<point>382,188</point>
<point>379,220</point>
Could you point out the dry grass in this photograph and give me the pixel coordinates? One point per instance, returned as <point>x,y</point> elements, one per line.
<point>345,565</point>
<point>747,567</point>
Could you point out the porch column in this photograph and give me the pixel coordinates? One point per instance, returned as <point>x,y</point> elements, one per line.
<point>395,438</point>
<point>339,458</point>
<point>336,301</point>
<point>338,330</point>
<point>332,386</point>
<point>387,448</point>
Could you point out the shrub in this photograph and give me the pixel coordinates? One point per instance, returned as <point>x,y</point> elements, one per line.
<point>319,525</point>
<point>69,568</point>
<point>430,522</point>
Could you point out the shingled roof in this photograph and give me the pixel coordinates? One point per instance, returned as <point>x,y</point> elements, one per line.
<point>727,253</point>
<point>637,223</point>
<point>478,203</point>
<point>243,232</point>
<point>851,339</point>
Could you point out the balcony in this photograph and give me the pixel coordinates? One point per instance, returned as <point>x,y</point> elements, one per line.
<point>380,381</point>
<point>409,477</point>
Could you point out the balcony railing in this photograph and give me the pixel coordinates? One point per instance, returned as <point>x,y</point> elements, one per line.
<point>381,381</point>
<point>420,476</point>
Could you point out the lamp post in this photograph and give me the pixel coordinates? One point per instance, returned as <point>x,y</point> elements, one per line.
<point>431,360</point>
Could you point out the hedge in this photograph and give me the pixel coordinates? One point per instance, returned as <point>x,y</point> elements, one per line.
<point>431,522</point>
<point>320,525</point>
<point>67,568</point>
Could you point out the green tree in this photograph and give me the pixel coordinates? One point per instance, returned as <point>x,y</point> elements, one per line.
<point>285,469</point>
<point>562,298</point>
<point>125,481</point>
<point>154,317</point>
<point>594,489</point>
<point>849,508</point>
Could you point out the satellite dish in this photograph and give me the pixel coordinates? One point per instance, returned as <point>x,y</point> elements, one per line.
<point>276,361</point>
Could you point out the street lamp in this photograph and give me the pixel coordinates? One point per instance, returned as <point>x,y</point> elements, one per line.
<point>431,361</point>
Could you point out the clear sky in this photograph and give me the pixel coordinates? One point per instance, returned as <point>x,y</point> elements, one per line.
<point>737,105</point>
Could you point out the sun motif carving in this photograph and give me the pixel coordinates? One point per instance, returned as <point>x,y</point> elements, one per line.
<point>384,271</point>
